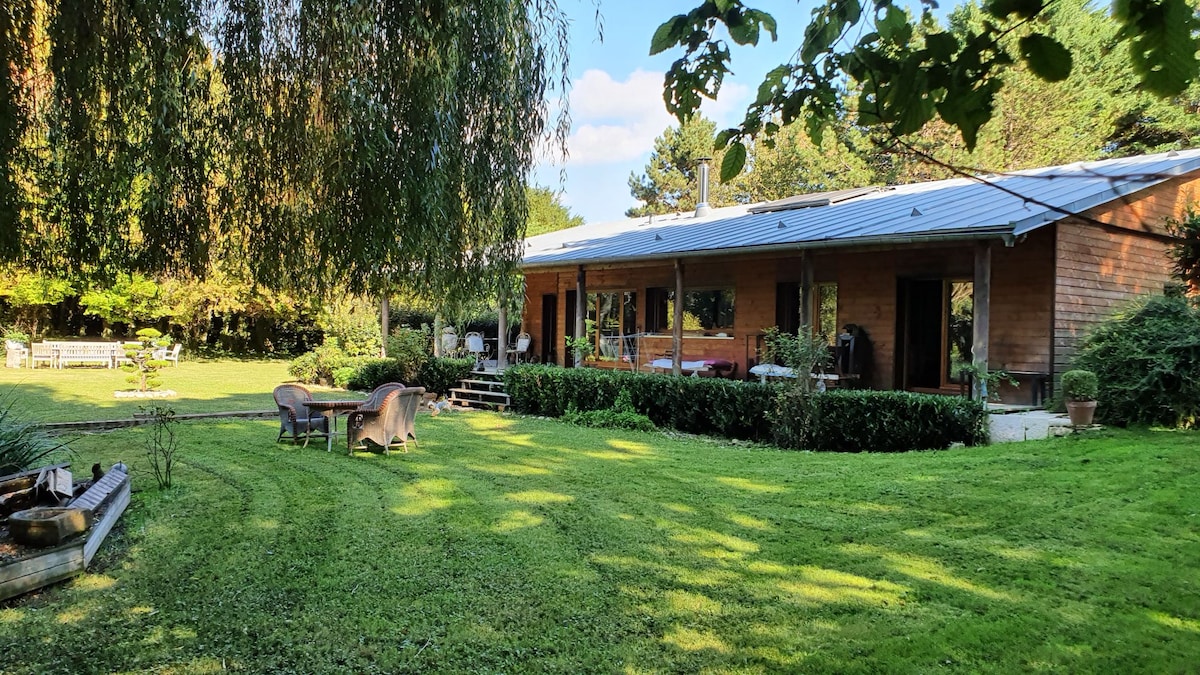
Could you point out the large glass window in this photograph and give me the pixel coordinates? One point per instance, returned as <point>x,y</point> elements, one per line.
<point>703,310</point>
<point>614,314</point>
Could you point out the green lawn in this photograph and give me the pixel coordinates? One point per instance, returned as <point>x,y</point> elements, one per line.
<point>504,544</point>
<point>81,393</point>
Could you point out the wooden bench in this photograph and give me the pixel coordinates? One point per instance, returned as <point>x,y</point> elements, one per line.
<point>86,352</point>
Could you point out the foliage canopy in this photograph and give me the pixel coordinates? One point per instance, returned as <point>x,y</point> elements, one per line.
<point>375,145</point>
<point>906,71</point>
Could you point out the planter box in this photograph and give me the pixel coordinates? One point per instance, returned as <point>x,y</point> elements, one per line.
<point>35,567</point>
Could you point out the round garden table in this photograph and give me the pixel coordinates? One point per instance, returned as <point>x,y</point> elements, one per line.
<point>331,410</point>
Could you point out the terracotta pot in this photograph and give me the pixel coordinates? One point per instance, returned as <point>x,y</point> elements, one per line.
<point>1081,412</point>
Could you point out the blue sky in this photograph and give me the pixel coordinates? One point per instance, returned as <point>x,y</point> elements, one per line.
<point>616,98</point>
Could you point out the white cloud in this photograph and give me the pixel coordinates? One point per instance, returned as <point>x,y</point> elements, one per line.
<point>614,124</point>
<point>597,95</point>
<point>617,121</point>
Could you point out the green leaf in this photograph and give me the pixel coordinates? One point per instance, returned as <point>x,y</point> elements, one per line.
<point>1162,42</point>
<point>667,34</point>
<point>941,46</point>
<point>1046,57</point>
<point>1022,8</point>
<point>733,162</point>
<point>894,26</point>
<point>744,33</point>
<point>767,21</point>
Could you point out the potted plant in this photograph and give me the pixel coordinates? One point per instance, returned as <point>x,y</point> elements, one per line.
<point>1079,390</point>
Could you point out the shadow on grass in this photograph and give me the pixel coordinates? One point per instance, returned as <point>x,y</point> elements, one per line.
<point>508,544</point>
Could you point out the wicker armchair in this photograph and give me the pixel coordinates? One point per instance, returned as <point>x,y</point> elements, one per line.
<point>384,417</point>
<point>295,418</point>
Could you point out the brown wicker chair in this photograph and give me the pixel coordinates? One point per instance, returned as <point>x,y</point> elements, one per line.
<point>384,417</point>
<point>295,418</point>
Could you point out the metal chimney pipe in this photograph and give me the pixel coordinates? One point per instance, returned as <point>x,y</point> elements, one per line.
<point>702,208</point>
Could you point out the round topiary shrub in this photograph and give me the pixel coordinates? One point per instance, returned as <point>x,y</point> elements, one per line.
<point>1080,385</point>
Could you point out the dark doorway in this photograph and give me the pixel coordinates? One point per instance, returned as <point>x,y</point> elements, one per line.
<point>549,328</point>
<point>919,333</point>
<point>787,307</point>
<point>569,328</point>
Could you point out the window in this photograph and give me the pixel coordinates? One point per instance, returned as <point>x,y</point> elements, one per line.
<point>825,314</point>
<point>960,327</point>
<point>789,298</point>
<point>703,310</point>
<point>614,314</point>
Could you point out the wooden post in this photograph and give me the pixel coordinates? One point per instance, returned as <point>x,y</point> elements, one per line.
<point>385,318</point>
<point>980,309</point>
<point>502,332</point>
<point>677,327</point>
<point>806,290</point>
<point>580,309</point>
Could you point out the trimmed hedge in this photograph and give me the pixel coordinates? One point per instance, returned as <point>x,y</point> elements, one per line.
<point>841,420</point>
<point>891,421</point>
<point>436,375</point>
<point>707,405</point>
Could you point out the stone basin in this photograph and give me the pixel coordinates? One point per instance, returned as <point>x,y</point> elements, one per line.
<point>48,526</point>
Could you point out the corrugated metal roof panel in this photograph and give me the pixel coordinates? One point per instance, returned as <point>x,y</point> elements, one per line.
<point>1013,203</point>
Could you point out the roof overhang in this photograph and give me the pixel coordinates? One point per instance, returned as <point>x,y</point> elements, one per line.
<point>1000,232</point>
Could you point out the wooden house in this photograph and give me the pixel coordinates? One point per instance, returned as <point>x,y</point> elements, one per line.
<point>1008,272</point>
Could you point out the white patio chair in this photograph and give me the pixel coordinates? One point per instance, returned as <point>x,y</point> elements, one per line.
<point>521,350</point>
<point>477,348</point>
<point>168,355</point>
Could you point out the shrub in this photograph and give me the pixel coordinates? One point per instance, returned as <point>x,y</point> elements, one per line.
<point>892,421</point>
<point>621,416</point>
<point>436,375</point>
<point>15,334</point>
<point>1080,385</point>
<point>803,352</point>
<point>342,376</point>
<point>609,419</point>
<point>727,408</point>
<point>354,325</point>
<point>439,375</point>
<point>412,346</point>
<point>142,366</point>
<point>846,420</point>
<point>1147,363</point>
<point>23,445</point>
<point>375,372</point>
<point>320,365</point>
<point>304,368</point>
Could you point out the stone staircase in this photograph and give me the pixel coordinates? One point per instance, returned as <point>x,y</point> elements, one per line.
<point>484,389</point>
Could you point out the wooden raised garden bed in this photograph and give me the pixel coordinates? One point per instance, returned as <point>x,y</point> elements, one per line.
<point>25,568</point>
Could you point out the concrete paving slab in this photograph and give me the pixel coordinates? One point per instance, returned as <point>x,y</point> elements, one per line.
<point>1027,426</point>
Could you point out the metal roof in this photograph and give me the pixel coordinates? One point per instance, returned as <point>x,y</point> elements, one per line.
<point>1009,204</point>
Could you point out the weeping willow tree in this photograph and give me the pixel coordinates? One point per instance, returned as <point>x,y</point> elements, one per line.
<point>364,145</point>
